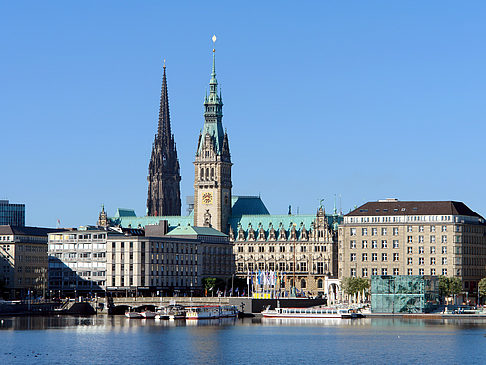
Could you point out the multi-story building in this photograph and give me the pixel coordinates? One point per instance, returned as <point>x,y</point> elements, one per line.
<point>168,263</point>
<point>12,214</point>
<point>23,260</point>
<point>392,237</point>
<point>77,260</point>
<point>302,249</point>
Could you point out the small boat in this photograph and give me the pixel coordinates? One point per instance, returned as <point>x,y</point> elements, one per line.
<point>148,314</point>
<point>131,315</point>
<point>309,313</point>
<point>162,313</point>
<point>177,315</point>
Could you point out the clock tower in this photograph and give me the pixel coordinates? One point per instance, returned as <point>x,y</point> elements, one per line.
<point>212,178</point>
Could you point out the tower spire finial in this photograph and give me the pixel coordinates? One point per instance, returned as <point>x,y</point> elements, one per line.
<point>213,73</point>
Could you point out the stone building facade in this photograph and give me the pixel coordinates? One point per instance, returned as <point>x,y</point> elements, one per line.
<point>391,237</point>
<point>301,249</point>
<point>23,260</point>
<point>168,263</point>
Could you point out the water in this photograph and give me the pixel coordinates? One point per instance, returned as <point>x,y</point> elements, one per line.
<point>116,339</point>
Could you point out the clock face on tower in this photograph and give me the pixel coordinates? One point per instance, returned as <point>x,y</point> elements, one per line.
<point>207,198</point>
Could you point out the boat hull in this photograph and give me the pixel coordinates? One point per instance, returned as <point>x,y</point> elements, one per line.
<point>133,315</point>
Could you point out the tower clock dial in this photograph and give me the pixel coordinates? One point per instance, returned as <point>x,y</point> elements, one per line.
<point>207,198</point>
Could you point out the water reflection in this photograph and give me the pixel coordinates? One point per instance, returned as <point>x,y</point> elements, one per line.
<point>103,321</point>
<point>116,339</point>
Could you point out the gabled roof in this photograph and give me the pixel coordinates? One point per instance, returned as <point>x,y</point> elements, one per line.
<point>285,221</point>
<point>27,231</point>
<point>120,212</point>
<point>195,231</point>
<point>241,205</point>
<point>396,207</point>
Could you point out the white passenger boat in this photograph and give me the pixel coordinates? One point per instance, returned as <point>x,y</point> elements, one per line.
<point>132,315</point>
<point>309,313</point>
<point>206,312</point>
<point>228,311</point>
<point>211,312</point>
<point>148,314</point>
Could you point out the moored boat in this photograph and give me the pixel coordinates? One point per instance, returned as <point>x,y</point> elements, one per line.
<point>148,314</point>
<point>228,311</point>
<point>309,313</point>
<point>203,312</point>
<point>132,315</point>
<point>211,312</point>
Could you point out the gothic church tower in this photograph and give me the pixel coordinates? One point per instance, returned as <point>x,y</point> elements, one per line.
<point>164,197</point>
<point>212,178</point>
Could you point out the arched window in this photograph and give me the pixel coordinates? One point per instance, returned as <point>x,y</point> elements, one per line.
<point>303,284</point>
<point>212,172</point>
<point>319,284</point>
<point>202,173</point>
<point>207,173</point>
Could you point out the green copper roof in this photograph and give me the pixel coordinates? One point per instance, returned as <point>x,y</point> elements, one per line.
<point>195,231</point>
<point>120,212</point>
<point>134,221</point>
<point>213,114</point>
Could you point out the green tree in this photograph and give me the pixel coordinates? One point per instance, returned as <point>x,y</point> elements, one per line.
<point>355,285</point>
<point>449,286</point>
<point>444,286</point>
<point>482,287</point>
<point>209,283</point>
<point>455,285</point>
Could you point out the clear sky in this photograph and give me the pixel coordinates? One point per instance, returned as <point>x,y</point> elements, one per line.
<point>363,99</point>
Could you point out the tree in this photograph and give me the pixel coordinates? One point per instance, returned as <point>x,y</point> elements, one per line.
<point>482,287</point>
<point>455,285</point>
<point>444,286</point>
<point>354,285</point>
<point>449,286</point>
<point>209,283</point>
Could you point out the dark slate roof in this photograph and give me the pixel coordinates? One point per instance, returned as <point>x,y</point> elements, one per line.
<point>27,231</point>
<point>396,207</point>
<point>247,205</point>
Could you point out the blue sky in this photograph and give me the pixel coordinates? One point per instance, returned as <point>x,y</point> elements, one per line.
<point>363,99</point>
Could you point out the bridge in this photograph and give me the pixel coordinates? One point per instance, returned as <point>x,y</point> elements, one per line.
<point>118,305</point>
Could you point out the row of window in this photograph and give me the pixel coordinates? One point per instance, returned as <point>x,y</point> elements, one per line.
<point>281,249</point>
<point>395,230</point>
<point>394,271</point>
<point>396,257</point>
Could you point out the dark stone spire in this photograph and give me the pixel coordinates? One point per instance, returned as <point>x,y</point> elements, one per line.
<point>164,197</point>
<point>164,116</point>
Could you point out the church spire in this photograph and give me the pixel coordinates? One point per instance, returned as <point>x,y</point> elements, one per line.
<point>164,116</point>
<point>163,196</point>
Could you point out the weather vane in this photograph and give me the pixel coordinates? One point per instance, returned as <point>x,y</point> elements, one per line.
<point>214,40</point>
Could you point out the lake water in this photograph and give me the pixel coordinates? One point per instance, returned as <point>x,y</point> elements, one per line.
<point>118,340</point>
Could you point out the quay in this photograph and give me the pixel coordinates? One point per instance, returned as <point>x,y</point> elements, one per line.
<point>247,306</point>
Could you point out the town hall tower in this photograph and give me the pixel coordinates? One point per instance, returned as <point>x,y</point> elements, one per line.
<point>212,178</point>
